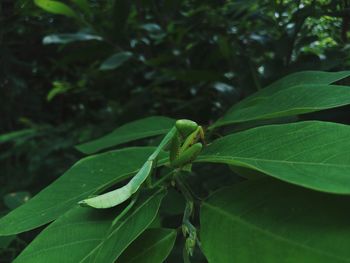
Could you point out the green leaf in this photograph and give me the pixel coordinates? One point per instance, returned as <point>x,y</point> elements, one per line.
<point>312,154</point>
<point>135,130</point>
<point>69,38</point>
<point>275,222</point>
<point>298,93</point>
<point>78,233</point>
<point>16,135</point>
<point>69,238</point>
<point>88,176</point>
<point>125,231</point>
<point>153,246</point>
<point>55,7</point>
<point>116,60</point>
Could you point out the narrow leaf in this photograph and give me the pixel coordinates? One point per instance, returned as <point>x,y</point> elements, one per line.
<point>116,60</point>
<point>69,38</point>
<point>135,130</point>
<point>11,136</point>
<point>88,176</point>
<point>153,246</point>
<point>55,7</point>
<point>275,222</point>
<point>312,154</point>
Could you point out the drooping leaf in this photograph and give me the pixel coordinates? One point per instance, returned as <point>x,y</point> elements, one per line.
<point>116,60</point>
<point>88,176</point>
<point>69,38</point>
<point>78,233</point>
<point>135,130</point>
<point>55,7</point>
<point>312,154</point>
<point>298,93</point>
<point>153,246</point>
<point>275,222</point>
<point>125,231</point>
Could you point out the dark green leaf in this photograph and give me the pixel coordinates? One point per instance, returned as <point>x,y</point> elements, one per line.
<point>88,176</point>
<point>298,93</point>
<point>153,246</point>
<point>311,154</point>
<point>268,221</point>
<point>126,230</point>
<point>139,129</point>
<point>80,232</point>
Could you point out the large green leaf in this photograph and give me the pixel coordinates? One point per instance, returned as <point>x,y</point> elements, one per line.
<point>268,221</point>
<point>55,7</point>
<point>88,176</point>
<point>298,93</point>
<point>311,154</point>
<point>125,231</point>
<point>75,235</point>
<point>135,130</point>
<point>153,246</point>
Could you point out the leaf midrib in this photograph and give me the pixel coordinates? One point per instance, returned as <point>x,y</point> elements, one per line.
<point>236,219</point>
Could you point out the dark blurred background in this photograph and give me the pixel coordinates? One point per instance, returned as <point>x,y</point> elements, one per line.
<point>71,73</point>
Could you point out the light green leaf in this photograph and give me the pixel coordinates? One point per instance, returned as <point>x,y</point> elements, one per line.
<point>73,237</point>
<point>88,176</point>
<point>298,93</point>
<point>69,38</point>
<point>125,231</point>
<point>135,130</point>
<point>153,246</point>
<point>268,221</point>
<point>312,154</point>
<point>55,7</point>
<point>116,60</point>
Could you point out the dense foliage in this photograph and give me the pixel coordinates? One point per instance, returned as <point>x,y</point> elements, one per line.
<point>73,71</point>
